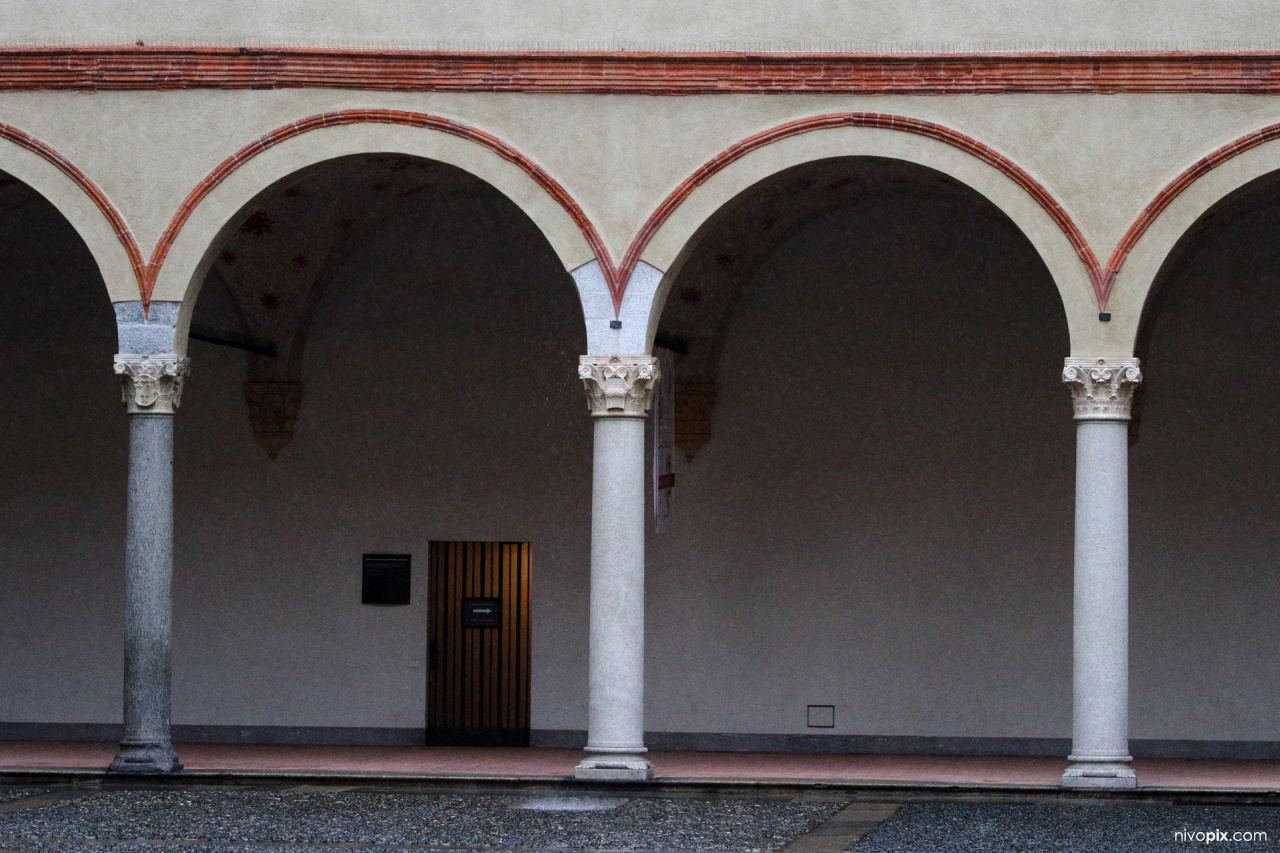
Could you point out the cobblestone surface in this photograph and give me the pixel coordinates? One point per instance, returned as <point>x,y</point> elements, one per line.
<point>225,820</point>
<point>318,820</point>
<point>1066,828</point>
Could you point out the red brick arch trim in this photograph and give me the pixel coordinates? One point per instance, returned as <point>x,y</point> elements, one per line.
<point>1176,187</point>
<point>95,194</point>
<point>876,120</point>
<point>618,275</point>
<point>408,119</point>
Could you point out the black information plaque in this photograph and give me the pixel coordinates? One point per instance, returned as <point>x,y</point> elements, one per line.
<point>481,613</point>
<point>385,579</point>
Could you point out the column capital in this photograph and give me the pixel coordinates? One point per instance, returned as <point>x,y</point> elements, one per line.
<point>618,385</point>
<point>152,383</point>
<point>1102,388</point>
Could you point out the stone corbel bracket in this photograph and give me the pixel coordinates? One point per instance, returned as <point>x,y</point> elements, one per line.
<point>1102,388</point>
<point>618,385</point>
<point>152,383</point>
<point>273,411</point>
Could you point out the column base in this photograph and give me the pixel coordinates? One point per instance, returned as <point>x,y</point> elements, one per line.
<point>145,757</point>
<point>1116,774</point>
<point>614,768</point>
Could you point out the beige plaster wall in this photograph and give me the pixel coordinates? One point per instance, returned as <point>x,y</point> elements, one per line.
<point>882,520</point>
<point>811,24</point>
<point>1205,535</point>
<point>459,417</point>
<point>62,475</point>
<point>456,417</point>
<point>1104,157</point>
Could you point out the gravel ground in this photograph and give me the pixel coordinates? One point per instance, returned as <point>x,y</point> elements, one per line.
<point>223,819</point>
<point>1053,828</point>
<point>9,794</point>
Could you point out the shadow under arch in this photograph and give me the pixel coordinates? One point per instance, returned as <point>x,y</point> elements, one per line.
<point>1248,199</point>
<point>82,203</point>
<point>63,463</point>
<point>715,263</point>
<point>1203,502</point>
<point>1139,258</point>
<point>292,241</point>
<point>210,213</point>
<point>427,420</point>
<point>866,480</point>
<point>46,239</point>
<point>665,238</point>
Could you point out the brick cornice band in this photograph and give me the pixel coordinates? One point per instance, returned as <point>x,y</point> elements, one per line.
<point>634,72</point>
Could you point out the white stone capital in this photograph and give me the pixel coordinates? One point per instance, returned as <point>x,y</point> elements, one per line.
<point>618,385</point>
<point>1102,388</point>
<point>152,383</point>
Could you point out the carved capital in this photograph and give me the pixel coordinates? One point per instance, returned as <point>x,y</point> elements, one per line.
<point>152,383</point>
<point>618,385</point>
<point>1102,388</point>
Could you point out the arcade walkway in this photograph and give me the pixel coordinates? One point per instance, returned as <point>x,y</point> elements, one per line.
<point>517,765</point>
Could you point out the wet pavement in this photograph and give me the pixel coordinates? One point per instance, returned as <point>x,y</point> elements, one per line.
<point>92,818</point>
<point>7,794</point>
<point>1066,827</point>
<point>235,819</point>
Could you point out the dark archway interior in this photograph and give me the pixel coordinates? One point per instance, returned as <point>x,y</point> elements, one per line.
<point>437,401</point>
<point>63,447</point>
<point>269,275</point>
<point>878,518</point>
<point>729,249</point>
<point>883,507</point>
<point>1203,480</point>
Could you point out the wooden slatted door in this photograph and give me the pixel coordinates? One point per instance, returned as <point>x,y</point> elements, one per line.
<point>478,682</point>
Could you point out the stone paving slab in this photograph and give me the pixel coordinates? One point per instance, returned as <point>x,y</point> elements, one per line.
<point>844,829</point>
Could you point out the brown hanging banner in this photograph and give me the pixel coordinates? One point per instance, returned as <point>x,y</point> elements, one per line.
<point>664,439</point>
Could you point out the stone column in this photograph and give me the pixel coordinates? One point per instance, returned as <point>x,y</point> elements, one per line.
<point>1102,393</point>
<point>152,391</point>
<point>619,389</point>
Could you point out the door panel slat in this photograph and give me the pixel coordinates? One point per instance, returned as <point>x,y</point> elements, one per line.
<point>478,685</point>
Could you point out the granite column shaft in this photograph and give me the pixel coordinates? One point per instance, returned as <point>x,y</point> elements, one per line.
<point>152,390</point>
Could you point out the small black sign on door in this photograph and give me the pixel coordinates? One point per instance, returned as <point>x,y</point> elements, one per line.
<point>481,613</point>
<point>385,579</point>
